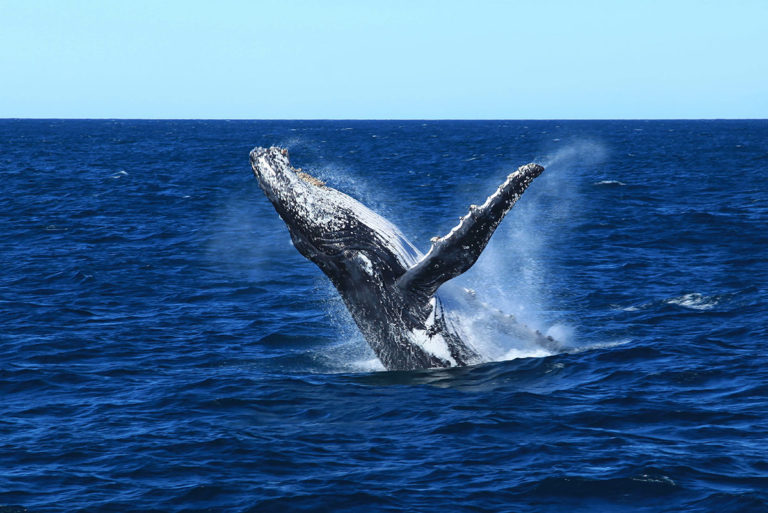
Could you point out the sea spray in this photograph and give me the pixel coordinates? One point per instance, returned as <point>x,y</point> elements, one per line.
<point>351,353</point>
<point>512,272</point>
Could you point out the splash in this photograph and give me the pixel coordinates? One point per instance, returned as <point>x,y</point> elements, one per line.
<point>694,301</point>
<point>351,353</point>
<point>690,301</point>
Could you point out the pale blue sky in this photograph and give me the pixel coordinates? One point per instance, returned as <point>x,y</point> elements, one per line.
<point>542,59</point>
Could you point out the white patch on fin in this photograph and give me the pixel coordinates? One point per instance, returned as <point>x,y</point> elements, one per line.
<point>432,343</point>
<point>367,265</point>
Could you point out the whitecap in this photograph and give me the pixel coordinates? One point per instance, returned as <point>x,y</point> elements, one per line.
<point>514,354</point>
<point>694,301</point>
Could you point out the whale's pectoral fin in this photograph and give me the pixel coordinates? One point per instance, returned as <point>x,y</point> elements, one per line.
<point>456,252</point>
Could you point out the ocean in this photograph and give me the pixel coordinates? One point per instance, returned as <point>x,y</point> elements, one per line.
<point>164,348</point>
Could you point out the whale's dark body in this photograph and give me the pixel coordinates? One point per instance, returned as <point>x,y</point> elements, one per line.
<point>387,285</point>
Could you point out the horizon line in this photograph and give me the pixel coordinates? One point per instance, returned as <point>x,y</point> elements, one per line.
<point>368,119</point>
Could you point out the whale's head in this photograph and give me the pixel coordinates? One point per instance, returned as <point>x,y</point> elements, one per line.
<point>295,195</point>
<point>327,226</point>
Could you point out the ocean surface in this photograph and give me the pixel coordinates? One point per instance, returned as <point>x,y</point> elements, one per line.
<point>164,348</point>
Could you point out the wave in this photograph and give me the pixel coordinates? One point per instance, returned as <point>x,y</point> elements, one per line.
<point>609,182</point>
<point>694,301</point>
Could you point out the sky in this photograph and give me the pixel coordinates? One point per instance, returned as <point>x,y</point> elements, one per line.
<point>416,59</point>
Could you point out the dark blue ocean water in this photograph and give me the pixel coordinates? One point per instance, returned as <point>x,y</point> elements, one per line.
<point>164,348</point>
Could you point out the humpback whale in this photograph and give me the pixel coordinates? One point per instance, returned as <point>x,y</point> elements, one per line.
<point>389,287</point>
